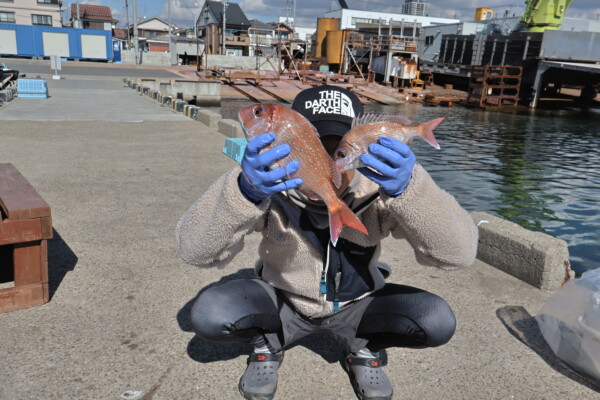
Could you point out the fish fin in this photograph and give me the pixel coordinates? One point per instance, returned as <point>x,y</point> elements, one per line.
<point>426,131</point>
<point>370,118</point>
<point>336,174</point>
<point>340,215</point>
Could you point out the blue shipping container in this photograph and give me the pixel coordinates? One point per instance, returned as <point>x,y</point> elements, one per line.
<point>29,41</point>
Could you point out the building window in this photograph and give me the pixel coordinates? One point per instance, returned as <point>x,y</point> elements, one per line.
<point>7,16</point>
<point>428,40</point>
<point>41,20</point>
<point>48,1</point>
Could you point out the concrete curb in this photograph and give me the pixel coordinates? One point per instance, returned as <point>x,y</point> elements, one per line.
<point>178,105</point>
<point>231,128</point>
<point>209,118</point>
<point>534,257</point>
<point>227,127</point>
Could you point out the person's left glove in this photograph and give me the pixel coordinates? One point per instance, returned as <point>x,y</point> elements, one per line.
<point>393,162</point>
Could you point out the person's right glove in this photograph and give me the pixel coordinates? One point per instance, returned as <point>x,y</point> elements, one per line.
<point>256,181</point>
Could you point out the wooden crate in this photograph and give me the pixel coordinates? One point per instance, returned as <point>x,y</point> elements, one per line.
<point>25,226</point>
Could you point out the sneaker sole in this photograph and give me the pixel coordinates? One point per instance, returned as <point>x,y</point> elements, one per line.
<point>252,396</point>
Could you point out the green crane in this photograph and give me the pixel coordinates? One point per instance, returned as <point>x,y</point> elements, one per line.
<point>544,14</point>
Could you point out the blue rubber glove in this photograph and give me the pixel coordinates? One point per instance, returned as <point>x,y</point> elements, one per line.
<point>393,161</point>
<point>256,181</point>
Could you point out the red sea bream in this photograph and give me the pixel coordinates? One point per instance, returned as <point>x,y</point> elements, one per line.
<point>369,128</point>
<point>317,170</point>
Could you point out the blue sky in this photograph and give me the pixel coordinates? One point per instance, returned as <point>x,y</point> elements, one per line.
<point>183,11</point>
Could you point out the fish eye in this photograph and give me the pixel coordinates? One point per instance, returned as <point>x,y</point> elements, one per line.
<point>258,111</point>
<point>340,154</point>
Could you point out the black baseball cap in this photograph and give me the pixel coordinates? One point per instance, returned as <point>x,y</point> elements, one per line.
<point>330,109</point>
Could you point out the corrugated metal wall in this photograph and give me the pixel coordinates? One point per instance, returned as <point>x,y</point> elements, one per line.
<point>43,41</point>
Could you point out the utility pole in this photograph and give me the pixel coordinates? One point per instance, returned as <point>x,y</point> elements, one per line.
<point>224,24</point>
<point>127,17</point>
<point>294,18</point>
<point>169,22</point>
<point>79,24</point>
<point>135,33</point>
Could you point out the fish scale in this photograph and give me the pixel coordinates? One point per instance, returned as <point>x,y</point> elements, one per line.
<point>317,171</point>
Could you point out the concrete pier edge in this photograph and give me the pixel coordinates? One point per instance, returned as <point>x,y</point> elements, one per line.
<point>533,257</point>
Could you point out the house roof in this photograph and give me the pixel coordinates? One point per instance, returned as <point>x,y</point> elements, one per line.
<point>120,33</point>
<point>281,26</point>
<point>257,24</point>
<point>91,12</point>
<point>159,20</point>
<point>235,15</point>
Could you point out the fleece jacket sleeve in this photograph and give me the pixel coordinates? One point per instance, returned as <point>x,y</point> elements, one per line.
<point>212,231</point>
<point>441,232</point>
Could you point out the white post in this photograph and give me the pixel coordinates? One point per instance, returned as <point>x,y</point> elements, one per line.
<point>135,33</point>
<point>224,24</point>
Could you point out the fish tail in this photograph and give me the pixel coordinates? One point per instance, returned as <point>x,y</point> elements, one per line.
<point>426,131</point>
<point>340,215</point>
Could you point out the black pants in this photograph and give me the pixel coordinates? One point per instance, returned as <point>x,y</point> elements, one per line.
<point>395,316</point>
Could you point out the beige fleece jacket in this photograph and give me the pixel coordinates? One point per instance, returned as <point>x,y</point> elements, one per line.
<point>212,232</point>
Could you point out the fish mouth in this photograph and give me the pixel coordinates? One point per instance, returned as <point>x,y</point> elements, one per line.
<point>244,128</point>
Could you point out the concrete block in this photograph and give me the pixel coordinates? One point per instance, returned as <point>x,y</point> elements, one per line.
<point>209,118</point>
<point>166,100</point>
<point>534,257</point>
<point>5,96</point>
<point>179,104</point>
<point>194,110</point>
<point>191,110</point>
<point>204,92</point>
<point>146,90</point>
<point>231,128</point>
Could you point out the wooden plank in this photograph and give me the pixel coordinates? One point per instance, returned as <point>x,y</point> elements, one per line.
<point>255,93</point>
<point>15,298</point>
<point>46,227</point>
<point>26,230</point>
<point>27,263</point>
<point>286,94</point>
<point>18,199</point>
<point>378,97</point>
<point>44,260</point>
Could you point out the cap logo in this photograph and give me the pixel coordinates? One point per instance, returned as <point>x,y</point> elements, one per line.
<point>331,102</point>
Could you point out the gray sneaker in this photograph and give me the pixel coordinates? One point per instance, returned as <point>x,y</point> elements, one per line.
<point>368,379</point>
<point>259,382</point>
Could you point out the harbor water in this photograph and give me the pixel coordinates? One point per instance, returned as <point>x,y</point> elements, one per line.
<point>538,169</point>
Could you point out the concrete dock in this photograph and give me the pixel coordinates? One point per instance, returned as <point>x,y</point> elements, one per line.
<point>118,171</point>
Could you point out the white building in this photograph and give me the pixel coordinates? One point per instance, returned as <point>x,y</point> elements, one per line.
<point>349,18</point>
<point>415,7</point>
<point>302,33</point>
<point>31,12</point>
<point>430,39</point>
